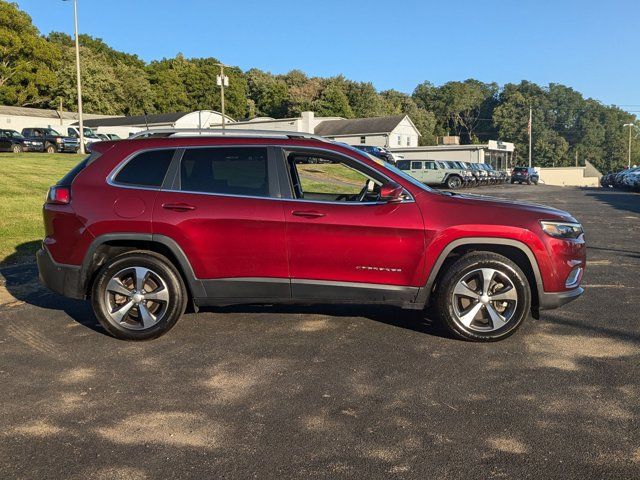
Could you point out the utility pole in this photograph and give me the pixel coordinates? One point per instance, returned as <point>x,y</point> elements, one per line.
<point>630,125</point>
<point>223,81</point>
<point>530,128</point>
<point>78,81</point>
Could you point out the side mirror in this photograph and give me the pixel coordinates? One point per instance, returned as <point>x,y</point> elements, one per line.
<point>391,192</point>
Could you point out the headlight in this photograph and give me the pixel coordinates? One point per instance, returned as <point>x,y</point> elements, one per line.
<point>58,140</point>
<point>562,229</point>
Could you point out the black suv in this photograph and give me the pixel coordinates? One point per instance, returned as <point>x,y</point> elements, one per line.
<point>526,175</point>
<point>12,141</point>
<point>53,140</point>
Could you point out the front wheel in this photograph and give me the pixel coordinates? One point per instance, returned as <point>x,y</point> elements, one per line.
<point>138,296</point>
<point>50,149</point>
<point>483,297</point>
<point>453,182</point>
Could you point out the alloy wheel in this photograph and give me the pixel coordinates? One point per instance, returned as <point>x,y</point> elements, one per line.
<point>136,298</point>
<point>484,300</point>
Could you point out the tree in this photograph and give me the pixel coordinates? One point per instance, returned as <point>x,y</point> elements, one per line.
<point>333,102</point>
<point>27,60</point>
<point>269,94</point>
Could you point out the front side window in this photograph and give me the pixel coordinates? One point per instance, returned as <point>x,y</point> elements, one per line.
<point>146,169</point>
<point>403,164</point>
<point>318,178</point>
<point>430,166</point>
<point>230,171</point>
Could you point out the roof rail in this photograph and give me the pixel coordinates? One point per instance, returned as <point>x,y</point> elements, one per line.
<point>228,132</point>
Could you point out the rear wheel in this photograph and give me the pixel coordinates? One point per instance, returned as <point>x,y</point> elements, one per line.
<point>16,148</point>
<point>138,296</point>
<point>483,297</point>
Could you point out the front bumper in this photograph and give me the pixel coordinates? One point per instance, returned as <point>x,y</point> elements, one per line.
<point>60,278</point>
<point>551,300</point>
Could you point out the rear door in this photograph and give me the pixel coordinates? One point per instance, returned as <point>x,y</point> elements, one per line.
<point>343,243</point>
<point>5,141</point>
<point>223,211</point>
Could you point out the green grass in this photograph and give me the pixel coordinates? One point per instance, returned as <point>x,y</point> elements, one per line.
<point>24,181</point>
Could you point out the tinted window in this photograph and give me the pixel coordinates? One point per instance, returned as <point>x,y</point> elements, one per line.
<point>520,169</point>
<point>233,171</point>
<point>402,165</point>
<point>146,169</point>
<point>416,165</point>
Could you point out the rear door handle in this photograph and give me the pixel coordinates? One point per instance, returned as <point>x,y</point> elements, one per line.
<point>308,213</point>
<point>178,207</point>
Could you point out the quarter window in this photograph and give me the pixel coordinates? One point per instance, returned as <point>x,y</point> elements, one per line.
<point>230,171</point>
<point>147,169</point>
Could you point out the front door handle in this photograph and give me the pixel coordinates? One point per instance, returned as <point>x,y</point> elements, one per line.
<point>307,213</point>
<point>178,207</point>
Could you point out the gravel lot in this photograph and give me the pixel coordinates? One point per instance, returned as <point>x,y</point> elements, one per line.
<point>333,392</point>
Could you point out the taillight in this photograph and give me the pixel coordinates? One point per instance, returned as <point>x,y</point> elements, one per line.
<point>59,195</point>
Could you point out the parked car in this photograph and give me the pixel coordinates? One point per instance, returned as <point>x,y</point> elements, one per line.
<point>482,175</point>
<point>12,141</point>
<point>495,177</point>
<point>432,172</point>
<point>143,227</point>
<point>526,175</point>
<point>53,141</point>
<point>89,135</point>
<point>379,152</point>
<point>456,168</point>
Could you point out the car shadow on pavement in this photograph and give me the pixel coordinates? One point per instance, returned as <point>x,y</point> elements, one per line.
<point>22,285</point>
<point>618,199</point>
<point>19,284</point>
<point>415,320</point>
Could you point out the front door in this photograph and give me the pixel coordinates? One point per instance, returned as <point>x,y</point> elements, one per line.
<point>343,242</point>
<point>222,212</point>
<point>434,175</point>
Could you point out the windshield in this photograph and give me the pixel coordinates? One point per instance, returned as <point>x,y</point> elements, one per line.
<point>51,131</point>
<point>14,134</point>
<point>89,133</point>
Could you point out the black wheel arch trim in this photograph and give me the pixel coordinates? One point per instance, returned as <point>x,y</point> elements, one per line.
<point>194,284</point>
<point>425,293</point>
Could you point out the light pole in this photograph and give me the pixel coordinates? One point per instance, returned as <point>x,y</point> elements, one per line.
<point>630,125</point>
<point>529,128</point>
<point>78,81</point>
<point>222,81</point>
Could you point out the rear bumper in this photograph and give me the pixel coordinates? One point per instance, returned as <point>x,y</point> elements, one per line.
<point>549,301</point>
<point>62,279</point>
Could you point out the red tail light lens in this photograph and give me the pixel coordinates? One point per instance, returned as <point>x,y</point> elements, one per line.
<point>59,195</point>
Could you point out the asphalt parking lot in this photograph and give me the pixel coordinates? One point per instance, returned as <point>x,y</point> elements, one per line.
<point>334,392</point>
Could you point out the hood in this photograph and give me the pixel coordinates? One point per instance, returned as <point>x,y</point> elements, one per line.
<point>542,211</point>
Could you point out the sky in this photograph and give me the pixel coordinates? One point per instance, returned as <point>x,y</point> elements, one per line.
<point>591,46</point>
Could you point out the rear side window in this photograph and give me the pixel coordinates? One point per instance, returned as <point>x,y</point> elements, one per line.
<point>231,171</point>
<point>146,169</point>
<point>68,179</point>
<point>403,165</point>
<point>416,165</point>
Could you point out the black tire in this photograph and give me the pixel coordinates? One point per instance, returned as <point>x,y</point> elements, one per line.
<point>476,331</point>
<point>50,148</point>
<point>16,148</point>
<point>172,310</point>
<point>454,182</point>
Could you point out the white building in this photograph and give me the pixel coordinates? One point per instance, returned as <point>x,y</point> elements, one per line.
<point>392,131</point>
<point>17,118</point>
<point>125,126</point>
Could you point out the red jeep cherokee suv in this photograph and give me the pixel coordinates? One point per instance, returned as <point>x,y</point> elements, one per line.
<point>144,226</point>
